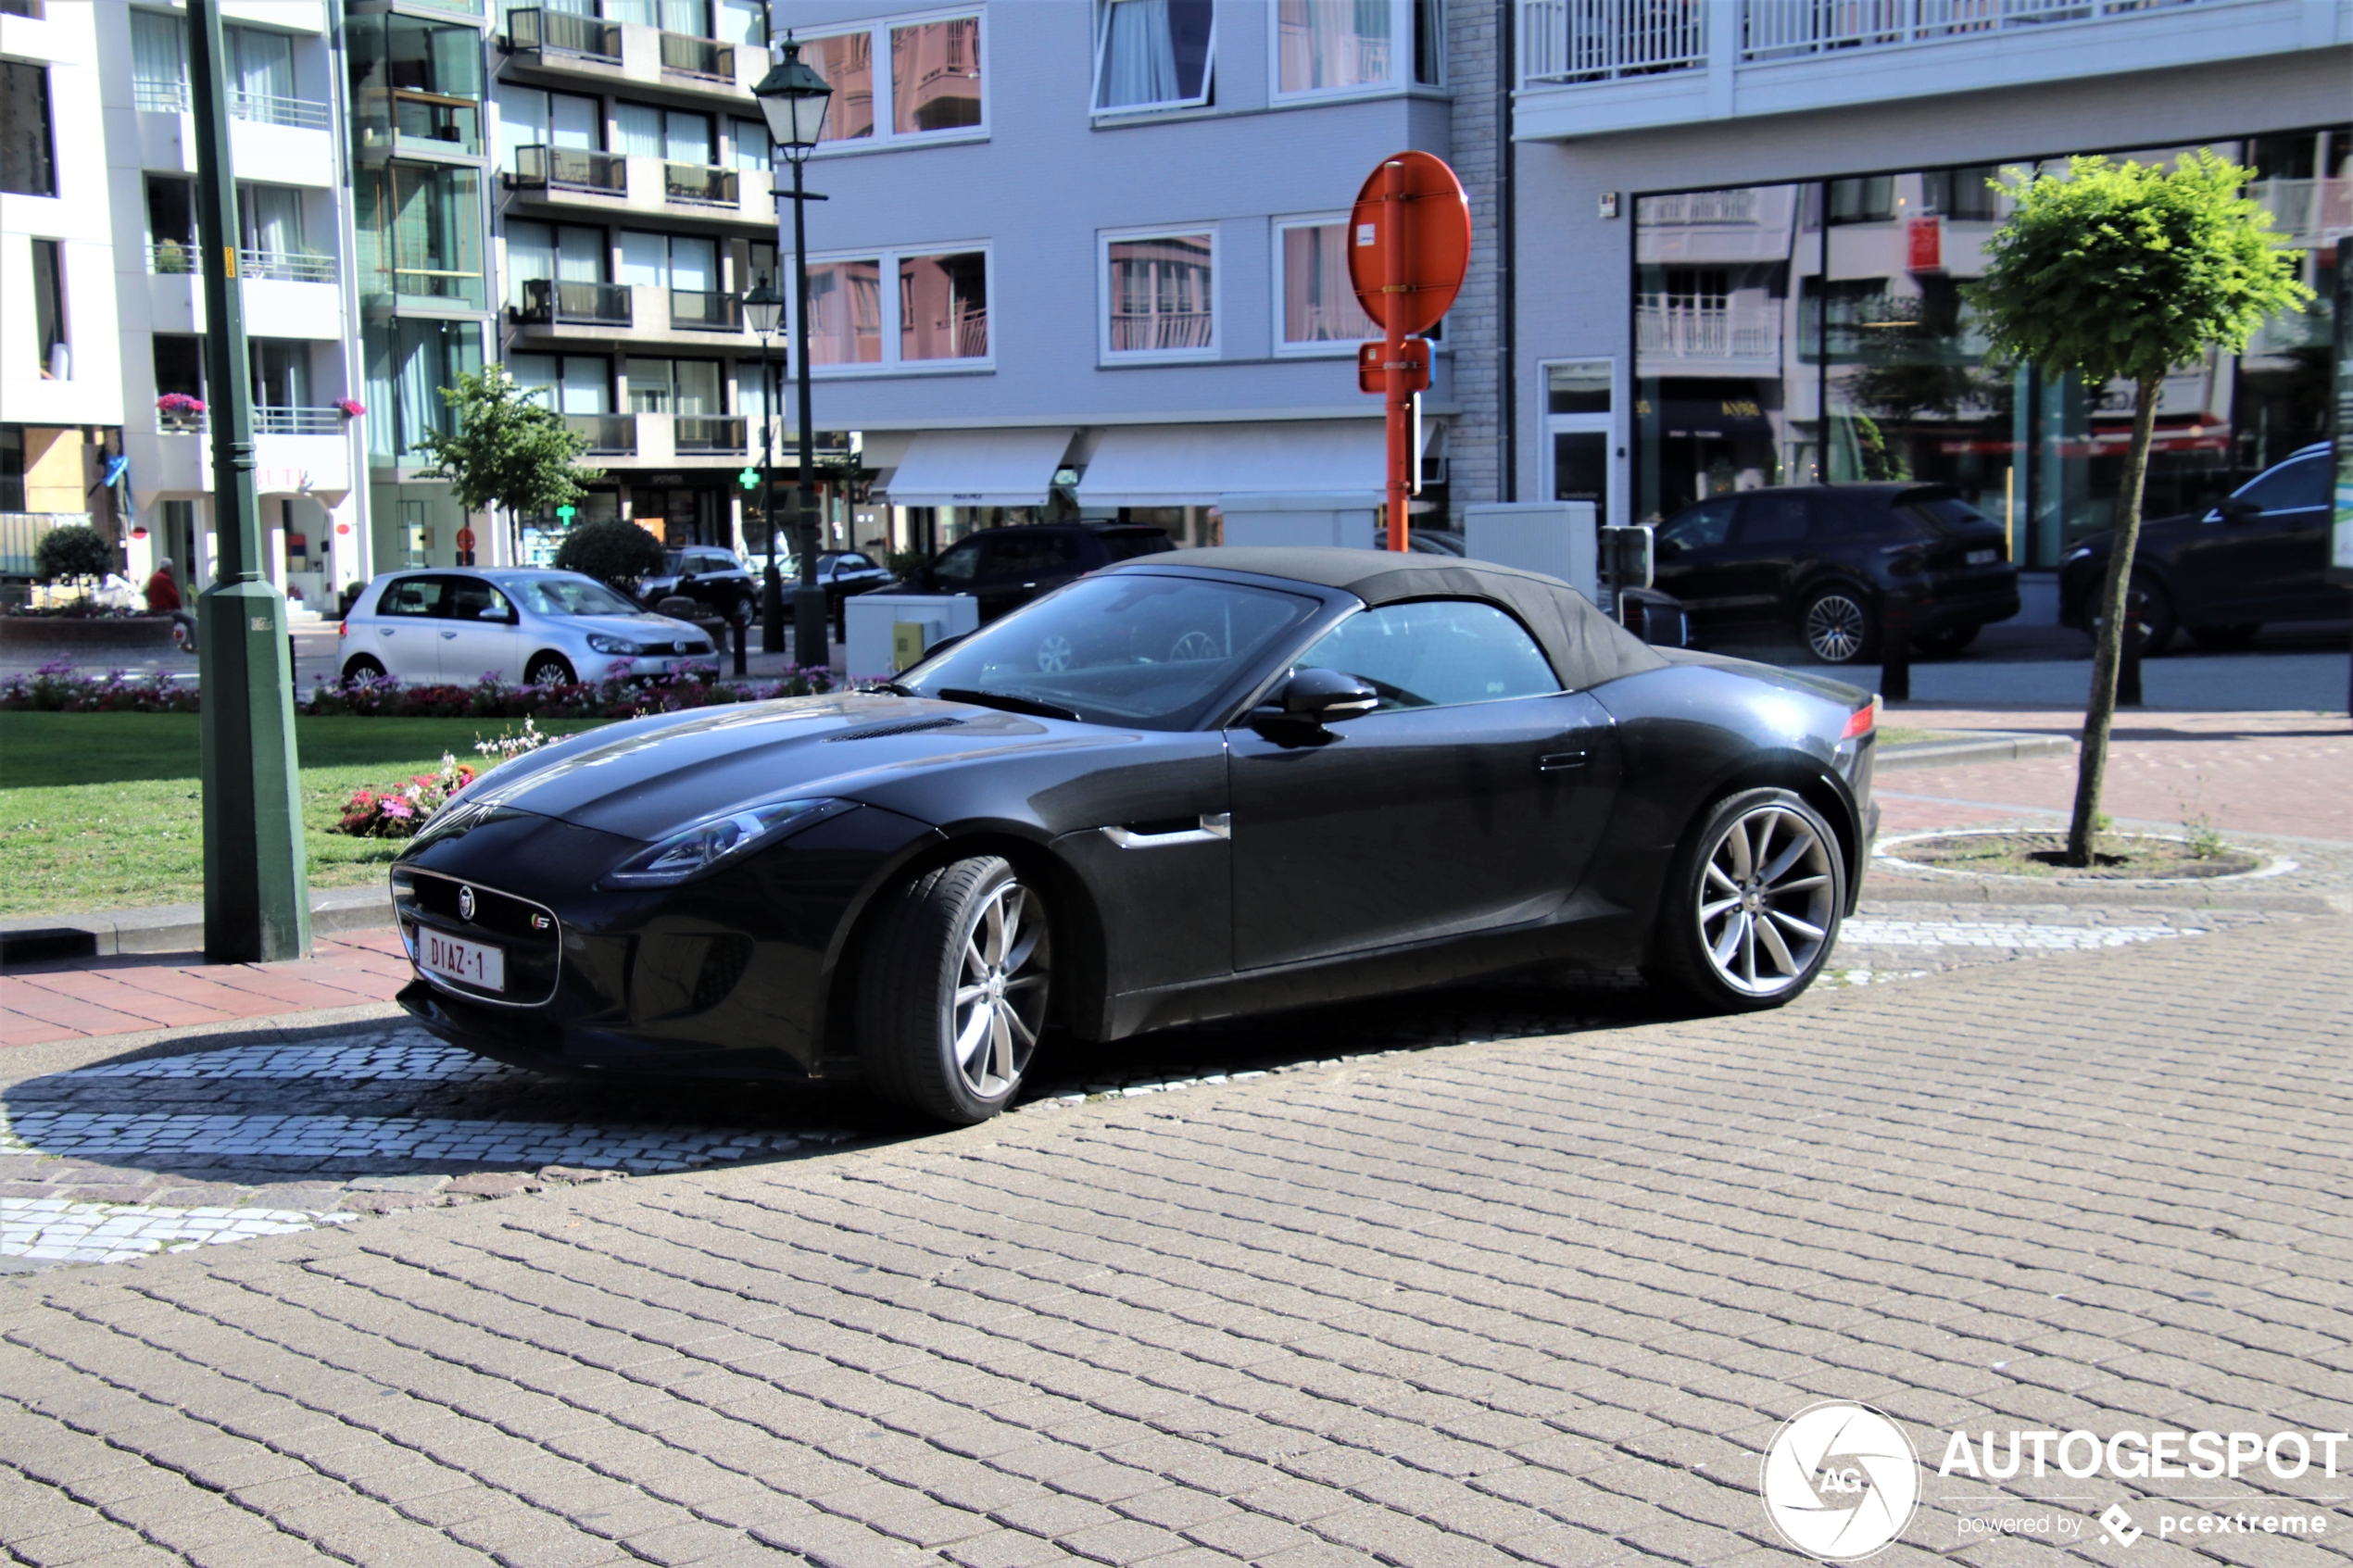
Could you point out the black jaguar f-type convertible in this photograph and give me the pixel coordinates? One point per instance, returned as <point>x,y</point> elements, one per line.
<point>1195,786</point>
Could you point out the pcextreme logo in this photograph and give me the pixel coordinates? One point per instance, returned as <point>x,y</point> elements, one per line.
<point>1840,1481</point>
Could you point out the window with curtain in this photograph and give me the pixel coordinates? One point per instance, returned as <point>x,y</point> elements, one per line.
<point>49,310</point>
<point>281,371</point>
<point>846,62</point>
<point>158,61</point>
<point>935,76</point>
<point>263,66</point>
<point>271,219</point>
<point>1319,304</point>
<point>1161,292</point>
<point>417,359</point>
<point>1330,45</point>
<point>845,313</point>
<point>691,17</point>
<point>678,261</point>
<point>424,224</point>
<point>674,134</point>
<point>743,21</point>
<point>751,144</point>
<point>572,253</point>
<point>1152,54</point>
<point>943,307</point>
<point>570,383</point>
<point>28,151</point>
<point>692,388</point>
<point>637,130</point>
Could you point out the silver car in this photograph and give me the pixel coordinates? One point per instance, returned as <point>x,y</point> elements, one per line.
<point>457,627</point>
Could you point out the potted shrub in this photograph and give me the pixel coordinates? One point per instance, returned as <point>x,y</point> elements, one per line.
<point>178,411</point>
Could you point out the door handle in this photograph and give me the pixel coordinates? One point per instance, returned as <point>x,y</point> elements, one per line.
<point>1214,828</point>
<point>1560,761</point>
<point>447,634</point>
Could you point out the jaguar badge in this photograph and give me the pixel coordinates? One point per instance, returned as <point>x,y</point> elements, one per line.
<point>466,902</point>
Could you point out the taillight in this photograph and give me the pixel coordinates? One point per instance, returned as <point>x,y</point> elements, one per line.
<point>343,630</point>
<point>1863,720</point>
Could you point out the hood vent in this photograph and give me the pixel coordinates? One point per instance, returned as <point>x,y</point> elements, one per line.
<point>903,727</point>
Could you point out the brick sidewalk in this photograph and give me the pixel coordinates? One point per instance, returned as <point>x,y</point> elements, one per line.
<point>1538,1300</point>
<point>87,998</point>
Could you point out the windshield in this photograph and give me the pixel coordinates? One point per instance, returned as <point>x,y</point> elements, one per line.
<point>670,562</point>
<point>1128,649</point>
<point>570,595</point>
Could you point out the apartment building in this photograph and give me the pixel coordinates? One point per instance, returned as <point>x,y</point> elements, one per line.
<point>1743,226</point>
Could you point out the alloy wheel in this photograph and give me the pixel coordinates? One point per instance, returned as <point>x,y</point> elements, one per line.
<point>1000,991</point>
<point>1834,628</point>
<point>1764,903</point>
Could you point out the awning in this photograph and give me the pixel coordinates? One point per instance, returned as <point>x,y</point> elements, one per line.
<point>1193,465</point>
<point>978,468</point>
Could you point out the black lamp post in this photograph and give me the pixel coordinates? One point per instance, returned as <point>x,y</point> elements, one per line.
<point>763,307</point>
<point>794,98</point>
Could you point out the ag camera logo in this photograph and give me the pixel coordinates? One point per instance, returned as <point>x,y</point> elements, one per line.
<point>1840,1481</point>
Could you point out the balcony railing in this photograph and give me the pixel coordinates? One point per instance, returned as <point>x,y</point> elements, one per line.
<point>553,302</point>
<point>2309,212</point>
<point>171,258</point>
<point>572,169</point>
<point>695,185</point>
<point>565,33</point>
<point>706,432</point>
<point>269,421</point>
<point>1735,205</point>
<point>698,311</point>
<point>159,97</point>
<point>1666,330</point>
<point>609,434</point>
<point>437,118</point>
<point>286,265</point>
<point>1599,40</point>
<point>180,424</point>
<point>705,57</point>
<point>268,108</point>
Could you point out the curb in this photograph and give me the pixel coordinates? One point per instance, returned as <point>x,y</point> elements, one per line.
<point>19,1063</point>
<point>179,928</point>
<point>1993,746</point>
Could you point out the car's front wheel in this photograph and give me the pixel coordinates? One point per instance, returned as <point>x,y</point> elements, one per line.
<point>1839,627</point>
<point>1753,904</point>
<point>740,612</point>
<point>548,670</point>
<point>954,993</point>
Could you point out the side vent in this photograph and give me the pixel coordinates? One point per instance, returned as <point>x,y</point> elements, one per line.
<point>904,727</point>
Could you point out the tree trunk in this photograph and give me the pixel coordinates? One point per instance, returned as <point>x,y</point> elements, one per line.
<point>2107,650</point>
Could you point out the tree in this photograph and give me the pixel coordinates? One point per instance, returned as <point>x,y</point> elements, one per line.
<point>75,550</point>
<point>504,446</point>
<point>615,552</point>
<point>2116,272</point>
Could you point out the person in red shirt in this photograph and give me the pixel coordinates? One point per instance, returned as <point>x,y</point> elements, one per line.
<point>163,595</point>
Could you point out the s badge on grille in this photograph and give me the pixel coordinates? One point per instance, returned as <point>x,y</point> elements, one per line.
<point>466,902</point>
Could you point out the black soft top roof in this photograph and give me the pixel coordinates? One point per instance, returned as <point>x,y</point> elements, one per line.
<point>1584,645</point>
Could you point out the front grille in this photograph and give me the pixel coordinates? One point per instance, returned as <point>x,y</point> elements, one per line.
<point>903,727</point>
<point>529,934</point>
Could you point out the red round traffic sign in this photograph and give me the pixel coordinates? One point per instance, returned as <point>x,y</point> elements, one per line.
<point>1435,216</point>
<point>465,539</point>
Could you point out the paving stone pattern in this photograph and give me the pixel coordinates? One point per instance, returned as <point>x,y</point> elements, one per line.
<point>1535,1300</point>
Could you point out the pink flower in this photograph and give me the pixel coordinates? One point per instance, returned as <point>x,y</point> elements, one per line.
<point>352,408</point>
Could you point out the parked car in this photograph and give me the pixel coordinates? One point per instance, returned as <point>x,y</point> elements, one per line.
<point>1190,787</point>
<point>2260,556</point>
<point>843,574</point>
<point>1822,560</point>
<point>709,576</point>
<point>1007,568</point>
<point>549,626</point>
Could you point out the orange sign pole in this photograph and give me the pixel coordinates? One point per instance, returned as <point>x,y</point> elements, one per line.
<point>1410,245</point>
<point>1397,396</point>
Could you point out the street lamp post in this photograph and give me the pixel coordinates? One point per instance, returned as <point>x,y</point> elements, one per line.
<point>762,305</point>
<point>794,98</point>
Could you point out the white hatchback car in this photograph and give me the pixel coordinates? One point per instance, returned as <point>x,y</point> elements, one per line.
<point>459,627</point>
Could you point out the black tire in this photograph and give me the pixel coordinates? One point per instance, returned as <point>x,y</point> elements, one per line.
<point>2152,611</point>
<point>1719,959</point>
<point>1839,626</point>
<point>362,667</point>
<point>1946,643</point>
<point>548,670</point>
<point>953,992</point>
<point>2226,639</point>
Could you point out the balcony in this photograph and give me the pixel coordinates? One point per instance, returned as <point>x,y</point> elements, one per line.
<point>1594,66</point>
<point>694,184</point>
<point>698,311</point>
<point>272,421</point>
<point>436,122</point>
<point>267,108</point>
<point>571,168</point>
<point>610,435</point>
<point>1673,338</point>
<point>564,33</point>
<point>286,265</point>
<point>706,60</point>
<point>176,460</point>
<point>707,433</point>
<point>554,302</point>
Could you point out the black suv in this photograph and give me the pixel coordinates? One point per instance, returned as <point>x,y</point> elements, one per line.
<point>1006,567</point>
<point>709,576</point>
<point>1823,561</point>
<point>2262,555</point>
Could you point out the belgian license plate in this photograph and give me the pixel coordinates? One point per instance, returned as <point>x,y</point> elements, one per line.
<point>1984,557</point>
<point>476,963</point>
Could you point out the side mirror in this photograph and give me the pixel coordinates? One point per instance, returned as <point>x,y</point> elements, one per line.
<point>494,612</point>
<point>1310,699</point>
<point>2237,509</point>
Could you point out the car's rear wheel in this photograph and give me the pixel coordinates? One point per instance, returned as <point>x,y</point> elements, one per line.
<point>1946,643</point>
<point>362,667</point>
<point>954,993</point>
<point>2226,639</point>
<point>548,670</point>
<point>2151,608</point>
<point>1839,627</point>
<point>740,612</point>
<point>1753,904</point>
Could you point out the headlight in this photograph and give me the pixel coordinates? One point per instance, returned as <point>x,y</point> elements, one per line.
<point>694,850</point>
<point>603,643</point>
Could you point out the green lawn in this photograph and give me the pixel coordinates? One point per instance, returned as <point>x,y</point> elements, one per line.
<point>101,810</point>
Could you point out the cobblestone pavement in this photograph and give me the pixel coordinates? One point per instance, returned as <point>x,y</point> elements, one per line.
<point>1538,1300</point>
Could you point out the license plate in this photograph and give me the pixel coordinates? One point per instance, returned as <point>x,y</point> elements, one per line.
<point>476,963</point>
<point>1984,557</point>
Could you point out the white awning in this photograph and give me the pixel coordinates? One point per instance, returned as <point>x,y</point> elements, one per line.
<point>978,468</point>
<point>1193,465</point>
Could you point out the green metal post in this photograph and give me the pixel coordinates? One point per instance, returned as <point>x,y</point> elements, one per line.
<point>256,903</point>
<point>811,644</point>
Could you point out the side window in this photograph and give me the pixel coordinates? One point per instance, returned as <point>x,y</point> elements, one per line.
<point>413,597</point>
<point>1436,653</point>
<point>853,561</point>
<point>471,599</point>
<point>1773,519</point>
<point>959,563</point>
<point>1700,526</point>
<point>1032,554</point>
<point>2304,483</point>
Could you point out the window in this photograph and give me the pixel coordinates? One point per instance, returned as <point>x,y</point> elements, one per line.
<point>1435,652</point>
<point>570,253</point>
<point>1581,386</point>
<point>407,369</point>
<point>471,599</point>
<point>675,135</point>
<point>1324,46</point>
<point>1700,527</point>
<point>937,317</point>
<point>11,468</point>
<point>674,386</point>
<point>529,117</point>
<point>1161,291</point>
<point>672,261</point>
<point>49,310</point>
<point>1029,554</point>
<point>269,224</point>
<point>28,154</point>
<point>1965,193</point>
<point>414,80</point>
<point>179,362</point>
<point>2290,487</point>
<point>1773,519</point>
<point>1152,54</point>
<point>423,224</point>
<point>752,144</point>
<point>1318,302</point>
<point>415,597</point>
<point>570,383</point>
<point>932,88</point>
<point>1870,199</point>
<point>261,78</point>
<point>158,62</point>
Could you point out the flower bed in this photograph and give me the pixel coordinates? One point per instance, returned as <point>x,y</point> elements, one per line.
<point>55,687</point>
